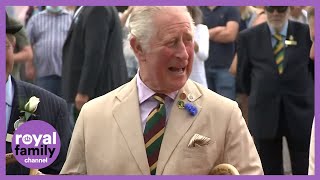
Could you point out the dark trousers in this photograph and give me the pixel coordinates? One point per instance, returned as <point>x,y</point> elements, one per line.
<point>222,82</point>
<point>270,151</point>
<point>50,83</point>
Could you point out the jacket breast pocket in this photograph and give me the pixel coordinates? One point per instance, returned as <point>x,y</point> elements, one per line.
<point>199,159</point>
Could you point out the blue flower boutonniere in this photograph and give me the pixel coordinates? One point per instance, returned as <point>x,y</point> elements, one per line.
<point>191,109</point>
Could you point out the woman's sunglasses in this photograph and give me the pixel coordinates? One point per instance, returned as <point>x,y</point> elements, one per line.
<point>279,9</point>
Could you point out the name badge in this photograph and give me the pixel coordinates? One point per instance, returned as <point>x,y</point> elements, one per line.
<point>291,41</point>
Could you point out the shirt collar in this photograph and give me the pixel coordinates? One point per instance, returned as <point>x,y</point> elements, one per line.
<point>144,92</point>
<point>283,31</point>
<point>9,91</point>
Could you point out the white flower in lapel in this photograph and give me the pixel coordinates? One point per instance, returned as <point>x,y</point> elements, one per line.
<point>32,104</point>
<point>28,109</point>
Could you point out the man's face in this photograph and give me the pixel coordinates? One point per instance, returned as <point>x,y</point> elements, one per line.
<point>9,54</point>
<point>311,26</point>
<point>167,62</point>
<point>277,16</point>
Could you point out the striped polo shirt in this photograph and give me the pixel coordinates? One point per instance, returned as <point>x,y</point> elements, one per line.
<point>47,33</point>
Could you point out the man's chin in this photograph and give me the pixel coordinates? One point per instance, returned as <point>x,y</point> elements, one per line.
<point>177,85</point>
<point>277,25</point>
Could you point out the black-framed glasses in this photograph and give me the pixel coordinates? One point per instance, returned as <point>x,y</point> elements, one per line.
<point>279,9</point>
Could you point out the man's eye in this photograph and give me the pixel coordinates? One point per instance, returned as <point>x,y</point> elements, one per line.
<point>189,39</point>
<point>171,43</point>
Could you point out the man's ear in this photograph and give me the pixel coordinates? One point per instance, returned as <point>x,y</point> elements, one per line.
<point>137,49</point>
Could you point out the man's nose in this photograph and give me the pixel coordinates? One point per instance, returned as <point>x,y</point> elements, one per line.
<point>182,52</point>
<point>275,12</point>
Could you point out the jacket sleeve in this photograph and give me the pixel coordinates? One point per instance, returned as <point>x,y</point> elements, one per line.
<point>97,28</point>
<point>240,150</point>
<point>76,159</point>
<point>244,65</point>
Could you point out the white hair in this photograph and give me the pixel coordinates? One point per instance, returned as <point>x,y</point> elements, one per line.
<point>141,22</point>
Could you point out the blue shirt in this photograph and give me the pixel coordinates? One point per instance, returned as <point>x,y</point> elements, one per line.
<point>9,100</point>
<point>283,33</point>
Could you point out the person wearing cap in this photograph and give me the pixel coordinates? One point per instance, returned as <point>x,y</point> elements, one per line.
<point>274,71</point>
<point>51,109</point>
<point>23,55</point>
<point>161,123</point>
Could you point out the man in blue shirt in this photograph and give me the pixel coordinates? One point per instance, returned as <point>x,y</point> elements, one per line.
<point>223,24</point>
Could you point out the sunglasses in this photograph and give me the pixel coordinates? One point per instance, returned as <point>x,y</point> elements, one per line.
<point>279,9</point>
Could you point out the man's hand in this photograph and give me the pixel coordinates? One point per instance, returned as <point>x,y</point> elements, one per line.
<point>80,100</point>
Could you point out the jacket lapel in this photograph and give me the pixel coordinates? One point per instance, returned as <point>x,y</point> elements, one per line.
<point>267,47</point>
<point>290,33</point>
<point>75,22</point>
<point>127,115</point>
<point>178,124</point>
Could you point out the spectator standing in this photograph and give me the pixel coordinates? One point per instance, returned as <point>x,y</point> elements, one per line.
<point>201,47</point>
<point>274,72</point>
<point>47,31</point>
<point>93,61</point>
<point>223,24</point>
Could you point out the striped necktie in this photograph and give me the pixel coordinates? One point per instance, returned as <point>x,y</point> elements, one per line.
<point>278,52</point>
<point>154,131</point>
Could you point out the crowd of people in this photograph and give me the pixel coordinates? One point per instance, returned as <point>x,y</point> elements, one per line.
<point>130,87</point>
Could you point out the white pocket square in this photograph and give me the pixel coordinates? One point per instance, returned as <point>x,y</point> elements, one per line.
<point>198,140</point>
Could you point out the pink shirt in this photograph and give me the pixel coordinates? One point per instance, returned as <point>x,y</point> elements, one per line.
<point>147,103</point>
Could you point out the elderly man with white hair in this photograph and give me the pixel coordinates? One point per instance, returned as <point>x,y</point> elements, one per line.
<point>161,123</point>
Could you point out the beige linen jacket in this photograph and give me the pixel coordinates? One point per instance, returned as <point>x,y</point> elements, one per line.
<point>108,137</point>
